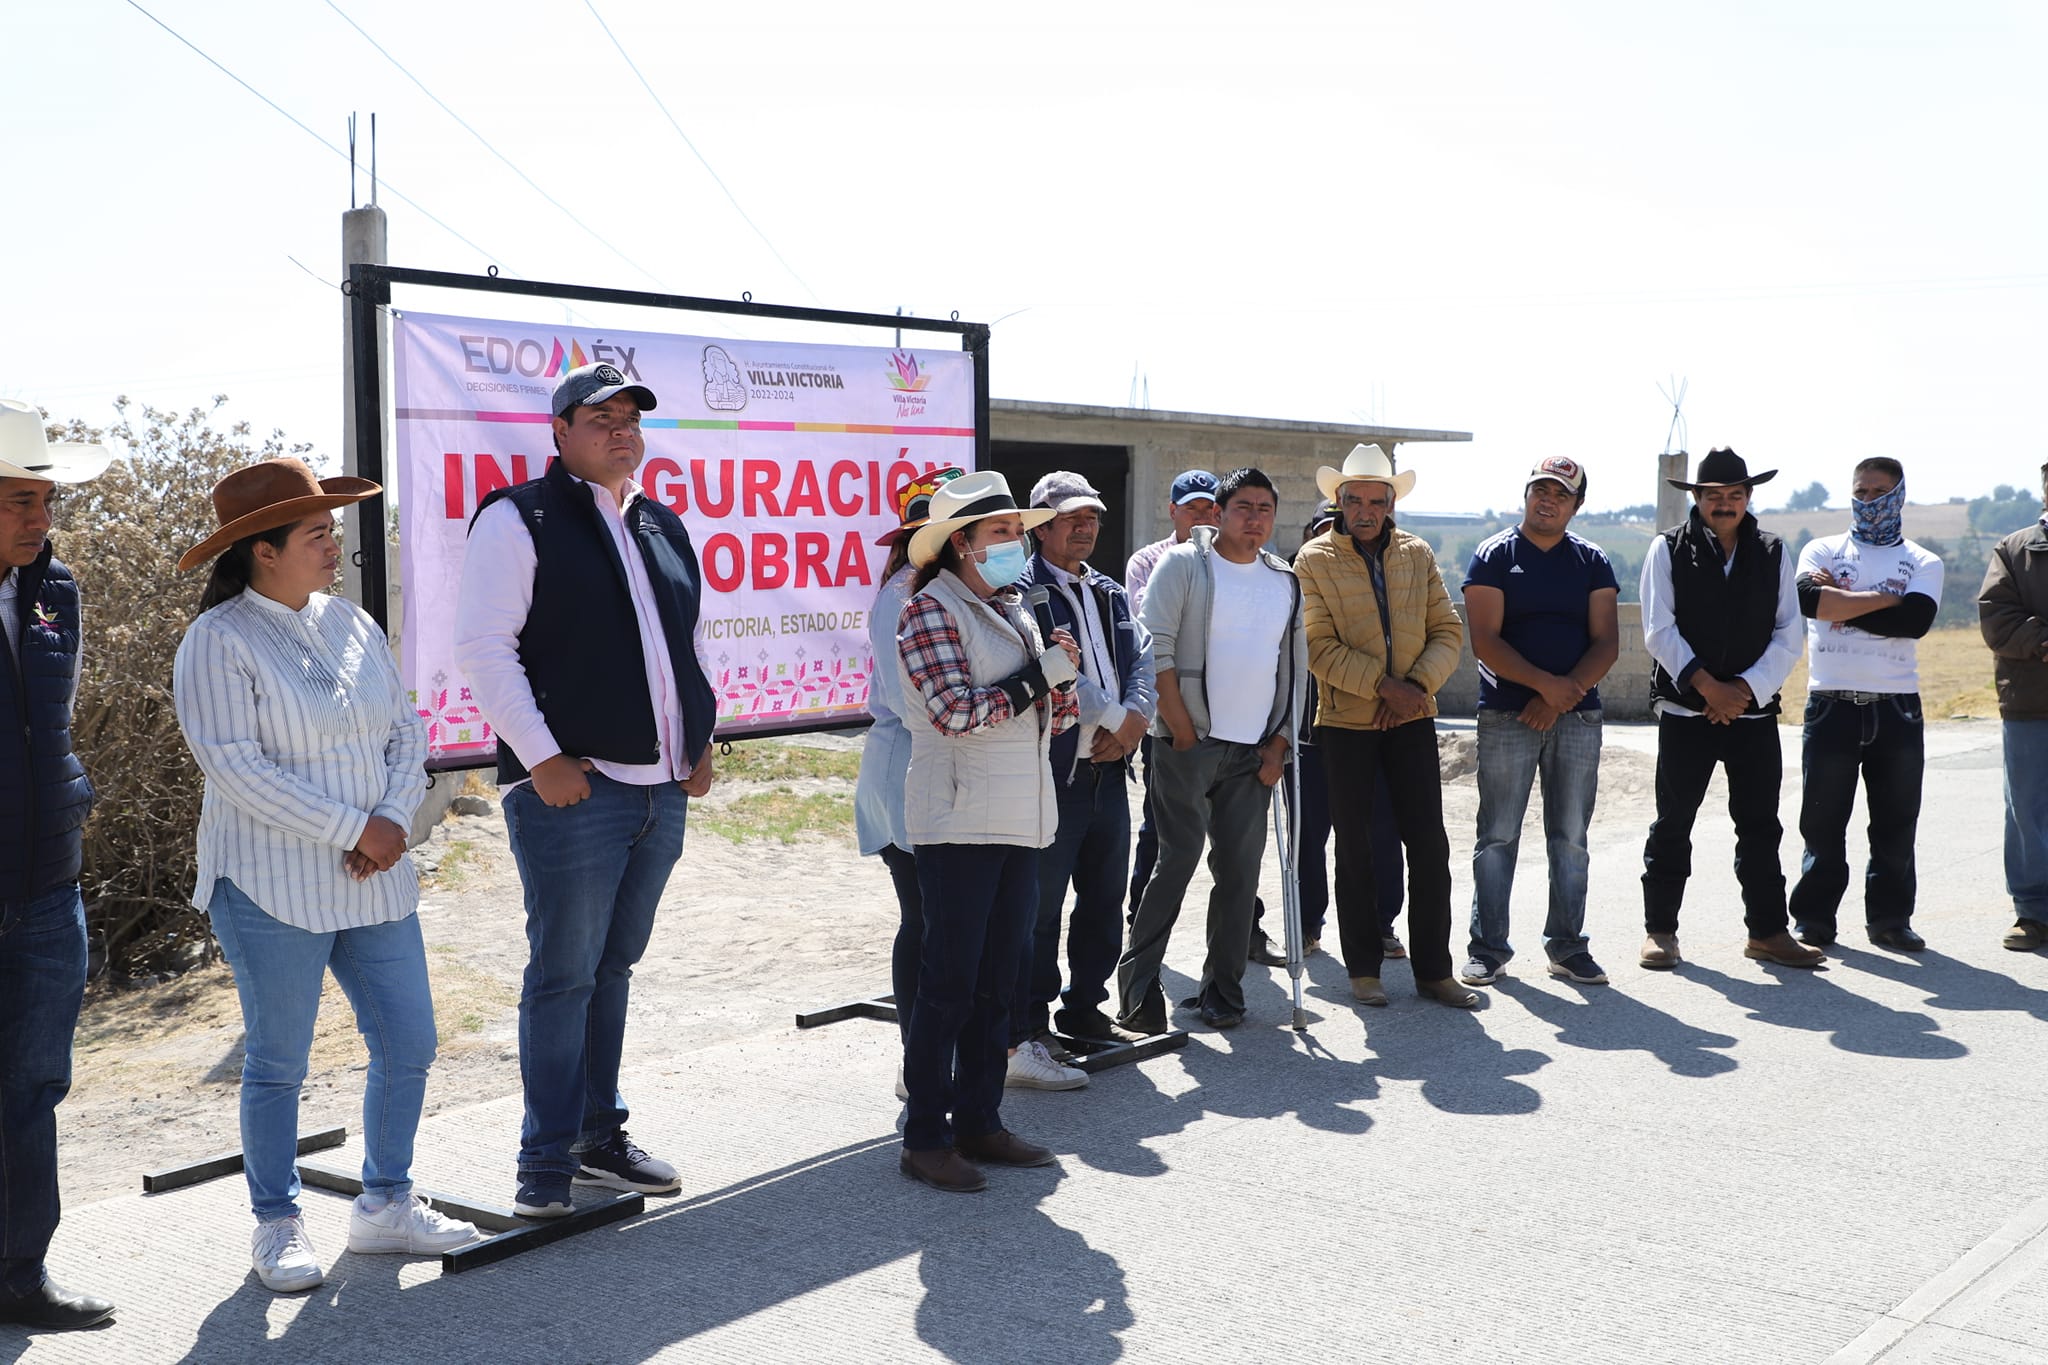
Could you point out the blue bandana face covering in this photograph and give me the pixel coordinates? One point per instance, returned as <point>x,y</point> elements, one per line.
<point>1002,564</point>
<point>1877,522</point>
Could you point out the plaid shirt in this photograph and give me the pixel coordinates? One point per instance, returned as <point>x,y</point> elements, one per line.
<point>932,651</point>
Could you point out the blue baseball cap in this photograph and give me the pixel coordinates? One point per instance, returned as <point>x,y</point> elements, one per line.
<point>1193,486</point>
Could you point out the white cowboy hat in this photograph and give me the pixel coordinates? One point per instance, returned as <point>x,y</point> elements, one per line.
<point>966,499</point>
<point>1365,464</point>
<point>26,452</point>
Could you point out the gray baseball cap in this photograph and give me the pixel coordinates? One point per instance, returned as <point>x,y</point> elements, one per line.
<point>1064,492</point>
<point>588,384</point>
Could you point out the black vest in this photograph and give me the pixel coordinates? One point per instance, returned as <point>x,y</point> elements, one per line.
<point>44,793</point>
<point>1727,618</point>
<point>581,645</point>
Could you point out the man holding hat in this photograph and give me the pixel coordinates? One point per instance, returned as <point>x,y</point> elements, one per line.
<point>574,628</point>
<point>1118,699</point>
<point>1191,502</point>
<point>1382,638</point>
<point>1545,628</point>
<point>1225,620</point>
<point>1721,621</point>
<point>44,800</point>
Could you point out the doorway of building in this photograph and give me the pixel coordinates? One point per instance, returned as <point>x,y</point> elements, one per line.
<point>1107,468</point>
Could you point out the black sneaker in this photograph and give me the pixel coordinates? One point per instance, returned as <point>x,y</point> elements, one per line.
<point>1579,967</point>
<point>618,1163</point>
<point>543,1194</point>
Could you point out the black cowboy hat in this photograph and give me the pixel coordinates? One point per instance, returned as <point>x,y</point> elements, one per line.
<point>1723,468</point>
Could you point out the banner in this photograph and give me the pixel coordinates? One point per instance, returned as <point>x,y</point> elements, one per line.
<point>783,458</point>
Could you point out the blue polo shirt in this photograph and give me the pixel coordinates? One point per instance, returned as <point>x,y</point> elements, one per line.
<point>1543,607</point>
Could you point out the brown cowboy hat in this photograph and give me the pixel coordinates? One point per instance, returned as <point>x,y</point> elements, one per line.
<point>266,496</point>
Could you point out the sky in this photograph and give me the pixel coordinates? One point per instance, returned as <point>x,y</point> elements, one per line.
<point>1825,221</point>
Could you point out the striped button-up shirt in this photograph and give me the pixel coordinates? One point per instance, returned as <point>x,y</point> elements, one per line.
<point>304,731</point>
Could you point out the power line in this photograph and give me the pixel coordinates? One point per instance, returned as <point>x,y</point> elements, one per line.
<point>395,192</point>
<point>485,143</point>
<point>730,197</point>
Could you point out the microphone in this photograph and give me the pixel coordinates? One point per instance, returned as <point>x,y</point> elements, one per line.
<point>1041,607</point>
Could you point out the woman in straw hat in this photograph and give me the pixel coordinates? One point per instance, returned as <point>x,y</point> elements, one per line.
<point>978,804</point>
<point>885,755</point>
<point>314,762</point>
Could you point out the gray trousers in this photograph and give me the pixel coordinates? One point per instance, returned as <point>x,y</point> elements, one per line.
<point>1211,792</point>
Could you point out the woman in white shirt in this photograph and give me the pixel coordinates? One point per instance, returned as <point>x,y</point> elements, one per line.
<point>314,761</point>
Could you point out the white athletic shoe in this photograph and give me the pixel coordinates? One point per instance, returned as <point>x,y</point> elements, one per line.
<point>902,1090</point>
<point>1033,1068</point>
<point>409,1226</point>
<point>284,1257</point>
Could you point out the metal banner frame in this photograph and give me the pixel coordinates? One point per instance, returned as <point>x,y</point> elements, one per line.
<point>368,288</point>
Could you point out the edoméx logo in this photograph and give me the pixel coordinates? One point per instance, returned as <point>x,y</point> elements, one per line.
<point>541,358</point>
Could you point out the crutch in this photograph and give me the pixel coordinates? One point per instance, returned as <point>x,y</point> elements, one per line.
<point>1286,835</point>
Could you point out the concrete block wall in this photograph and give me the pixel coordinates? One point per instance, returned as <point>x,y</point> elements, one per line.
<point>1624,693</point>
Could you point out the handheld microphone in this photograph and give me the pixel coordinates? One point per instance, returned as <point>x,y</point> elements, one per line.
<point>1041,607</point>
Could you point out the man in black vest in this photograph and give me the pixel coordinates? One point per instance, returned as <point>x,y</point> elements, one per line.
<point>575,631</point>
<point>44,800</point>
<point>1721,620</point>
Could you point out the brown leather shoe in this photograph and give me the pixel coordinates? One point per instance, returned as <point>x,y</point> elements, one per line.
<point>942,1169</point>
<point>1660,952</point>
<point>1784,950</point>
<point>1366,991</point>
<point>2026,935</point>
<point>1003,1149</point>
<point>1449,992</point>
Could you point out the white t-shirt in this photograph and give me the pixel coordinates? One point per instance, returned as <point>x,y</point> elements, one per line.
<point>1840,657</point>
<point>1247,623</point>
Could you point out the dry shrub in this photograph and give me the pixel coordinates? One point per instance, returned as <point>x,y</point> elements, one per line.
<point>122,535</point>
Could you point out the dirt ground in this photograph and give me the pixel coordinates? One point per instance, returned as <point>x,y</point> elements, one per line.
<point>750,932</point>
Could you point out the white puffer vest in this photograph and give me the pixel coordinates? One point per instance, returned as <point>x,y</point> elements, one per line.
<point>992,785</point>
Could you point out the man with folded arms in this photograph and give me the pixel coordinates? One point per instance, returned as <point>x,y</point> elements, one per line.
<point>1721,620</point>
<point>1868,594</point>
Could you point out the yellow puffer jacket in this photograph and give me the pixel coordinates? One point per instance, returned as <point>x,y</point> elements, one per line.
<point>1347,649</point>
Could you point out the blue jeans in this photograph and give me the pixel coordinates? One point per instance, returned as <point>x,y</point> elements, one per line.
<point>382,969</point>
<point>979,900</point>
<point>1092,851</point>
<point>594,873</point>
<point>42,980</point>
<point>1883,738</point>
<point>2026,817</point>
<point>1512,757</point>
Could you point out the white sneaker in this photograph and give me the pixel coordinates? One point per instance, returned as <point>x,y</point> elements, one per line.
<point>1033,1068</point>
<point>284,1257</point>
<point>902,1090</point>
<point>410,1226</point>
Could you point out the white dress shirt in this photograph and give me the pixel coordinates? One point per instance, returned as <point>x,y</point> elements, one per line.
<point>304,731</point>
<point>1672,653</point>
<point>491,611</point>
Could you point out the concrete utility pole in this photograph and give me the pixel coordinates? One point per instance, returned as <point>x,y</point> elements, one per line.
<point>1672,503</point>
<point>363,242</point>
